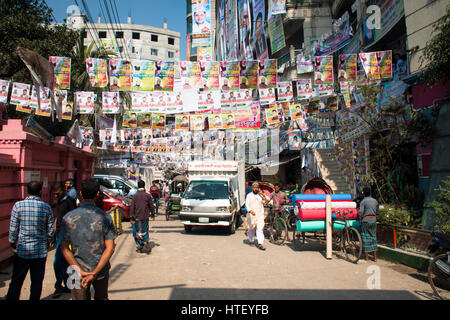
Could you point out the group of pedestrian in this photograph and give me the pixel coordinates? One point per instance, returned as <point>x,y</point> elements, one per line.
<point>84,238</point>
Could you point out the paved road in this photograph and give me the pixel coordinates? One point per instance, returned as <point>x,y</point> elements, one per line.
<point>210,264</point>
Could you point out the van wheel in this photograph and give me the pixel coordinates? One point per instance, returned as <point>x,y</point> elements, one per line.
<point>187,228</point>
<point>232,227</point>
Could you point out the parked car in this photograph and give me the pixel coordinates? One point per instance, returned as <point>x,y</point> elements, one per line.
<point>122,186</point>
<point>109,198</point>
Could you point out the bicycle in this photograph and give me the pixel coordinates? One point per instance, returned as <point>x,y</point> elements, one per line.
<point>348,239</point>
<point>276,227</point>
<point>439,268</point>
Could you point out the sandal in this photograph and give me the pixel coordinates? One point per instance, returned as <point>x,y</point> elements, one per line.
<point>260,247</point>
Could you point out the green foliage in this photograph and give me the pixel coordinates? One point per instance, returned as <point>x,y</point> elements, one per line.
<point>27,23</point>
<point>441,207</point>
<point>436,54</point>
<point>398,216</point>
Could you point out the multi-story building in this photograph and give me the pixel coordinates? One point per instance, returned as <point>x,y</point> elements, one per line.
<point>130,41</point>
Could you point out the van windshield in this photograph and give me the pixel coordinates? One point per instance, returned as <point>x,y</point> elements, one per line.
<point>207,190</point>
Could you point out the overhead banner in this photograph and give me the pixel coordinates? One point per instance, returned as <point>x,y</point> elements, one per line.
<point>164,75</point>
<point>259,36</point>
<point>304,62</point>
<point>61,69</point>
<point>201,40</point>
<point>229,75</point>
<point>143,75</point>
<point>210,75</point>
<point>267,73</point>
<point>347,67</point>
<point>385,64</point>
<point>276,7</point>
<point>201,13</point>
<point>245,49</point>
<point>248,77</point>
<point>339,38</point>
<point>97,70</point>
<point>369,62</point>
<point>191,77</point>
<point>323,73</point>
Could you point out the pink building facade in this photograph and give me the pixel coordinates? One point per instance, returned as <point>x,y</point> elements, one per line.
<point>25,157</point>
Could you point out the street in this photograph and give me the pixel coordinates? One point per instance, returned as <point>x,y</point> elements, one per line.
<point>210,264</point>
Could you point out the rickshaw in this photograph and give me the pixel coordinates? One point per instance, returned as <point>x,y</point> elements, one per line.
<point>176,189</point>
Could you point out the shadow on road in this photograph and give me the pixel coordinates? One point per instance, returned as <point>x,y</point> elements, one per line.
<point>175,286</point>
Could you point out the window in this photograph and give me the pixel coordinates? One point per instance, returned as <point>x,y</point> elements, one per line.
<point>154,38</point>
<point>171,41</point>
<point>102,34</point>
<point>154,52</point>
<point>171,54</point>
<point>136,35</point>
<point>119,35</point>
<point>133,50</point>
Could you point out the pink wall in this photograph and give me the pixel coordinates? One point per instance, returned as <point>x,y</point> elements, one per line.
<point>425,96</point>
<point>24,156</point>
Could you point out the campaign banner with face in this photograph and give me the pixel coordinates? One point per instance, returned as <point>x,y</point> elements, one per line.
<point>228,101</point>
<point>295,140</point>
<point>215,122</point>
<point>20,94</point>
<point>197,122</point>
<point>88,135</point>
<point>296,111</point>
<point>85,102</point>
<point>248,118</point>
<point>181,122</point>
<point>97,70</point>
<point>385,64</point>
<point>201,14</point>
<point>130,119</point>
<point>157,102</point>
<point>4,89</point>
<point>245,34</point>
<point>110,102</point>
<point>276,7</point>
<point>201,40</point>
<point>259,36</point>
<point>206,101</point>
<point>140,101</point>
<point>228,120</point>
<point>267,96</point>
<point>304,89</point>
<point>248,76</point>
<point>44,98</point>
<point>268,73</point>
<point>61,69</point>
<point>285,92</point>
<point>210,75</point>
<point>244,98</point>
<point>323,70</point>
<point>272,115</point>
<point>120,75</point>
<point>229,75</point>
<point>67,111</point>
<point>144,120</point>
<point>174,102</point>
<point>158,121</point>
<point>304,62</point>
<point>164,75</point>
<point>369,62</point>
<point>323,90</point>
<point>143,75</point>
<point>204,54</point>
<point>347,92</point>
<point>190,73</point>
<point>347,67</point>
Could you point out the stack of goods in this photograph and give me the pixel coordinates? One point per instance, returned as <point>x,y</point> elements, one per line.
<point>312,212</point>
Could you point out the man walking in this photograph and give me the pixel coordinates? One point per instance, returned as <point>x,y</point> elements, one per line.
<point>254,203</point>
<point>368,210</point>
<point>155,192</point>
<point>90,232</point>
<point>70,189</point>
<point>63,205</point>
<point>141,207</point>
<point>31,233</point>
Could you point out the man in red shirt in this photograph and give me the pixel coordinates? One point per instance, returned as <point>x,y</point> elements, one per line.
<point>156,194</point>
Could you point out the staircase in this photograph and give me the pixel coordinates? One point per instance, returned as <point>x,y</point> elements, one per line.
<point>331,171</point>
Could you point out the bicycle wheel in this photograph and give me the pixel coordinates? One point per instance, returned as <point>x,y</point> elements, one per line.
<point>278,231</point>
<point>352,244</point>
<point>438,275</point>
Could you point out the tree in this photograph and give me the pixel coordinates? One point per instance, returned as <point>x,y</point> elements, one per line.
<point>436,54</point>
<point>28,23</point>
<point>442,208</point>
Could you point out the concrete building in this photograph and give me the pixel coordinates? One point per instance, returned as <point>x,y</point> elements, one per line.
<point>130,41</point>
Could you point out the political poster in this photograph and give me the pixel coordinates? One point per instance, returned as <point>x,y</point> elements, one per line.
<point>201,13</point>
<point>120,75</point>
<point>140,101</point>
<point>272,115</point>
<point>347,67</point>
<point>44,98</point>
<point>267,96</point>
<point>267,73</point>
<point>144,120</point>
<point>229,75</point>
<point>61,69</point>
<point>244,98</point>
<point>231,30</point>
<point>210,75</point>
<point>88,135</point>
<point>338,39</point>
<point>130,119</point>
<point>85,102</point>
<point>228,121</point>
<point>276,7</point>
<point>285,92</point>
<point>20,94</point>
<point>164,75</point>
<point>158,121</point>
<point>228,101</point>
<point>304,62</point>
<point>245,49</point>
<point>201,40</point>
<point>205,102</point>
<point>190,74</point>
<point>248,118</point>
<point>110,102</point>
<point>197,122</point>
<point>385,64</point>
<point>276,34</point>
<point>304,89</point>
<point>4,89</point>
<point>204,53</point>
<point>323,70</point>
<point>181,122</point>
<point>97,69</point>
<point>248,76</point>
<point>67,111</point>
<point>215,122</point>
<point>369,63</point>
<point>296,111</point>
<point>295,140</point>
<point>174,102</point>
<point>143,75</point>
<point>259,36</point>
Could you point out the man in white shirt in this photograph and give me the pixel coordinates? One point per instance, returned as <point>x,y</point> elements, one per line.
<point>254,203</point>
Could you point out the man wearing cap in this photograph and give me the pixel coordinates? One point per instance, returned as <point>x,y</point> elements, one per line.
<point>254,203</point>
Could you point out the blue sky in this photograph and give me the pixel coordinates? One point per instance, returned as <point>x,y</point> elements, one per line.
<point>146,12</point>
